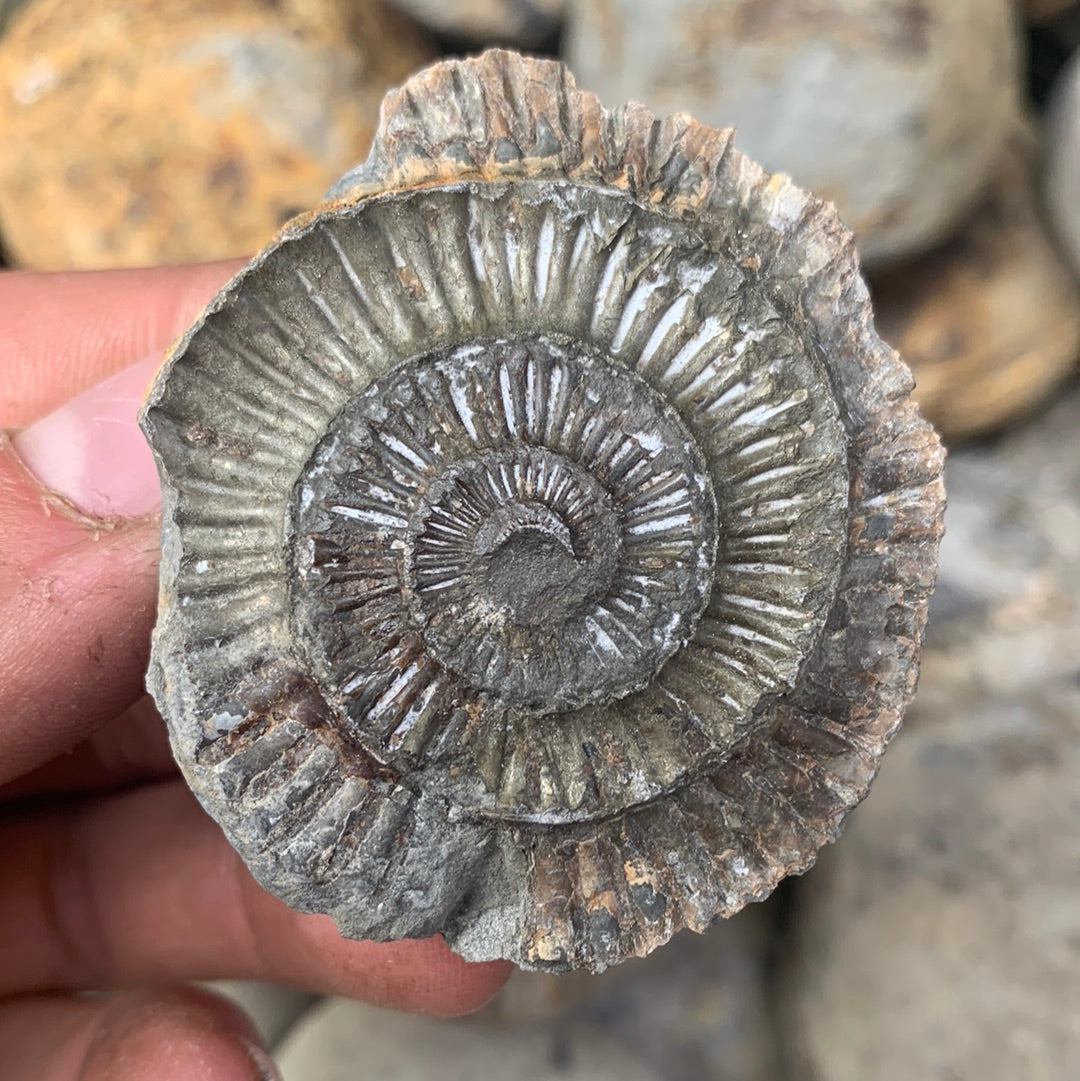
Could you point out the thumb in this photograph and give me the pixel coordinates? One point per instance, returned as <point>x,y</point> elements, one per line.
<point>77,570</point>
<point>91,452</point>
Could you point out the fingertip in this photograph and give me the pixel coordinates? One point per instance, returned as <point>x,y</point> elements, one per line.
<point>478,983</point>
<point>429,978</point>
<point>74,636</point>
<point>176,1034</point>
<point>90,451</point>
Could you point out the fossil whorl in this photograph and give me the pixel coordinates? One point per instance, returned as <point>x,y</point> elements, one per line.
<point>547,533</point>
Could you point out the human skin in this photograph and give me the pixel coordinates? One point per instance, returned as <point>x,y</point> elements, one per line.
<point>111,875</point>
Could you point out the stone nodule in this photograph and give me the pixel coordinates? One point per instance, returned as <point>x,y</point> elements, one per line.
<point>547,533</point>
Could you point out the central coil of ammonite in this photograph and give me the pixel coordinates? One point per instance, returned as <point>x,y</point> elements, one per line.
<point>524,513</point>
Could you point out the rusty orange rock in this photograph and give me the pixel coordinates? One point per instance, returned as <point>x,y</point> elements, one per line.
<point>990,324</point>
<point>149,131</point>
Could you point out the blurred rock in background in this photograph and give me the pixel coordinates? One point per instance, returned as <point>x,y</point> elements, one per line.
<point>524,24</point>
<point>1063,161</point>
<point>7,10</point>
<point>157,131</point>
<point>530,998</point>
<point>1005,620</point>
<point>898,112</point>
<point>347,1041</point>
<point>941,939</point>
<point>698,1009</point>
<point>272,1007</point>
<point>990,323</point>
<point>941,936</point>
<point>1042,11</point>
<point>1050,44</point>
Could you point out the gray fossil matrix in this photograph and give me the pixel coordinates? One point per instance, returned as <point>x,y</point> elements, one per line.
<point>547,534</point>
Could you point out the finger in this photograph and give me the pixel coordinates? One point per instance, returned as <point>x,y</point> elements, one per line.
<point>65,332</point>
<point>175,1035</point>
<point>75,614</point>
<point>77,592</point>
<point>128,749</point>
<point>170,1034</point>
<point>77,601</point>
<point>90,451</point>
<point>142,887</point>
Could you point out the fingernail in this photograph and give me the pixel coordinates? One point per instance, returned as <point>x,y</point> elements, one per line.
<point>261,1060</point>
<point>91,451</point>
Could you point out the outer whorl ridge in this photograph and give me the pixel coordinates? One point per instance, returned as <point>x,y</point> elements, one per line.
<point>547,533</point>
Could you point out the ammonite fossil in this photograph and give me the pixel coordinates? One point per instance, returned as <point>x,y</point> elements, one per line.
<point>547,533</point>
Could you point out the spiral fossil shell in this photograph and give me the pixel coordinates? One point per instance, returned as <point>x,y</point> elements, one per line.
<point>547,533</point>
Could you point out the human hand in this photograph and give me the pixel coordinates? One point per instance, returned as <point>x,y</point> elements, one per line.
<point>111,875</point>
